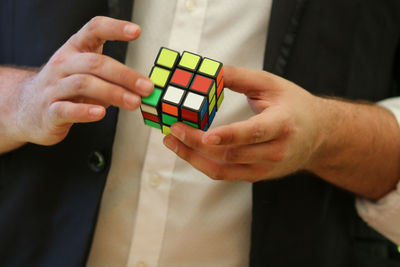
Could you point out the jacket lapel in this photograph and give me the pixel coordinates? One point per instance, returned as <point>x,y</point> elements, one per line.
<point>121,9</point>
<point>284,22</point>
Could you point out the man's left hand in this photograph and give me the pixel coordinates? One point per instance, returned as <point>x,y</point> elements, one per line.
<point>279,140</point>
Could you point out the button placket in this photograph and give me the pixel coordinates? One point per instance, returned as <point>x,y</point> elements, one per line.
<point>148,233</point>
<point>155,180</point>
<point>140,264</point>
<point>152,208</point>
<point>190,5</point>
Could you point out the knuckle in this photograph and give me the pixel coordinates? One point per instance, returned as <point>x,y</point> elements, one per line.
<point>57,110</point>
<point>116,96</point>
<point>80,82</point>
<point>286,128</point>
<point>196,143</point>
<point>232,155</point>
<point>278,156</point>
<point>74,37</point>
<point>94,61</point>
<point>228,134</point>
<point>109,94</point>
<point>259,176</point>
<point>57,59</point>
<point>260,172</point>
<point>94,23</point>
<point>125,76</point>
<point>219,173</point>
<point>278,152</point>
<point>257,133</point>
<point>270,78</point>
<point>182,152</point>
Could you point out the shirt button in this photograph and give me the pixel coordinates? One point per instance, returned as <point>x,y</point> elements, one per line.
<point>96,161</point>
<point>190,5</point>
<point>155,180</point>
<point>140,264</point>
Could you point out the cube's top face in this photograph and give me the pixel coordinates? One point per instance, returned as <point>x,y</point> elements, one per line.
<point>181,78</point>
<point>189,61</point>
<point>202,84</point>
<point>193,101</point>
<point>153,99</point>
<point>167,58</point>
<point>159,76</point>
<point>210,67</point>
<point>173,95</point>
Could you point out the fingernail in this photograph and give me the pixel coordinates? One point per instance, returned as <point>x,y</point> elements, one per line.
<point>145,86</point>
<point>96,111</point>
<point>131,101</point>
<point>212,140</point>
<point>131,30</point>
<point>170,144</point>
<point>178,132</point>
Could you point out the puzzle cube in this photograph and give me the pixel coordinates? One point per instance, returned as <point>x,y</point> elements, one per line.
<point>188,88</point>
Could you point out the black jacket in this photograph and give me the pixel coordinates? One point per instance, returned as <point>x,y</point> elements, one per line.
<point>49,196</point>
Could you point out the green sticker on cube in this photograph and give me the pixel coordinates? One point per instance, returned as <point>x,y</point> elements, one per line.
<point>169,120</point>
<point>209,67</point>
<point>167,58</point>
<point>159,76</point>
<point>191,124</point>
<point>152,100</point>
<point>152,124</point>
<point>189,61</point>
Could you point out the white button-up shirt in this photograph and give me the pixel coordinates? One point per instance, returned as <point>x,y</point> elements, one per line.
<point>157,210</point>
<point>384,214</point>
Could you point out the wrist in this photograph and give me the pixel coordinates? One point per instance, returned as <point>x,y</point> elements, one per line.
<point>22,126</point>
<point>357,139</point>
<point>12,82</point>
<point>327,123</point>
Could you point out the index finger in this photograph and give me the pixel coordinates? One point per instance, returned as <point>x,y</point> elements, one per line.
<point>101,29</point>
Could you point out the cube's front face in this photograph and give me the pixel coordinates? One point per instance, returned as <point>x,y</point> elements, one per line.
<point>188,88</point>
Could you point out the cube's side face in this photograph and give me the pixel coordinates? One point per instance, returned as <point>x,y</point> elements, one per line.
<point>188,88</point>
<point>220,99</point>
<point>150,108</point>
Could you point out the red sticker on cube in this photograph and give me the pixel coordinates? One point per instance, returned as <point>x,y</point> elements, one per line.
<point>181,78</point>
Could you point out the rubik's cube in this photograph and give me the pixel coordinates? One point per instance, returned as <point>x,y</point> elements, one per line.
<point>187,88</point>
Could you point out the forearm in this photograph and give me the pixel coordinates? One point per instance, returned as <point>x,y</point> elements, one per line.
<point>353,146</point>
<point>360,148</point>
<point>11,81</point>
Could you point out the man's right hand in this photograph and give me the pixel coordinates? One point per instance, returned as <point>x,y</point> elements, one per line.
<point>75,86</point>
